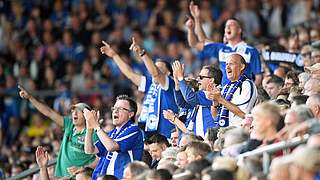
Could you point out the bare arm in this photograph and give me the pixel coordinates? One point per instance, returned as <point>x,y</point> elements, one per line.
<point>215,95</point>
<point>232,107</point>
<point>89,147</point>
<point>168,114</point>
<point>43,108</point>
<point>108,143</point>
<point>195,12</point>
<point>156,74</point>
<point>125,68</point>
<point>92,123</point>
<point>42,161</point>
<point>192,38</point>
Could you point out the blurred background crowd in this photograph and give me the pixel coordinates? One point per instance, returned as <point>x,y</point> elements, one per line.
<point>51,48</point>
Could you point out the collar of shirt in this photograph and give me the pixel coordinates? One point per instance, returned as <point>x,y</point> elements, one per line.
<point>241,43</point>
<point>74,131</point>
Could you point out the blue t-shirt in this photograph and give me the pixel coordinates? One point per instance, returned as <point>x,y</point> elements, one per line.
<point>221,51</point>
<point>156,100</point>
<point>130,141</point>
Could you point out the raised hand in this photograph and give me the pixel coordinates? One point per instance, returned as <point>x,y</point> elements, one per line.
<point>178,69</point>
<point>136,48</point>
<point>92,118</point>
<point>213,94</point>
<point>107,50</point>
<point>194,10</point>
<point>23,93</point>
<point>169,114</point>
<point>190,23</point>
<point>42,157</point>
<point>74,170</point>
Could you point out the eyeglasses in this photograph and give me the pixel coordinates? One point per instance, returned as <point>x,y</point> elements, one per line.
<point>120,109</point>
<point>202,77</point>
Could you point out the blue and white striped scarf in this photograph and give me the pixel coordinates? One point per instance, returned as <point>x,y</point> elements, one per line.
<point>223,112</point>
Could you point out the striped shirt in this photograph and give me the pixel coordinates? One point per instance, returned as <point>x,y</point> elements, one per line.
<point>130,141</point>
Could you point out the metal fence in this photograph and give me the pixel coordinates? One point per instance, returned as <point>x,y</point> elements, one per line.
<point>266,153</point>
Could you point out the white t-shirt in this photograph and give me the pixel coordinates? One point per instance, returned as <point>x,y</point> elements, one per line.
<point>244,100</point>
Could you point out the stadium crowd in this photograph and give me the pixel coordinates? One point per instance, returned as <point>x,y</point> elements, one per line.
<point>204,81</point>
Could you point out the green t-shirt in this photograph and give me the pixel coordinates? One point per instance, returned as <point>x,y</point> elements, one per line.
<point>72,149</point>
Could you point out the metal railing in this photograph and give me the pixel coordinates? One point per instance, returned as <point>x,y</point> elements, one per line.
<point>31,171</point>
<point>268,150</point>
<point>265,152</point>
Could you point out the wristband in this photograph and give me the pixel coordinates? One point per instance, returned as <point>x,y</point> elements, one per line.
<point>142,53</point>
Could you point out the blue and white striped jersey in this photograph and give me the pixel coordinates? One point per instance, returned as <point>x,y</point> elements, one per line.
<point>130,141</point>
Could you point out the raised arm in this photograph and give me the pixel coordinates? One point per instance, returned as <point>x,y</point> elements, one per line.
<point>92,123</point>
<point>124,68</point>
<point>42,161</point>
<point>43,108</point>
<point>169,114</point>
<point>89,147</point>
<point>191,97</point>
<point>191,35</point>
<point>195,12</point>
<point>155,72</point>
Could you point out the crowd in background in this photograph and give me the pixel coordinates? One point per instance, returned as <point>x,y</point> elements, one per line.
<point>51,48</point>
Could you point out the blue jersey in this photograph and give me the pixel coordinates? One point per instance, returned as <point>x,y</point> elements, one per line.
<point>221,51</point>
<point>201,117</point>
<point>130,141</point>
<point>156,100</point>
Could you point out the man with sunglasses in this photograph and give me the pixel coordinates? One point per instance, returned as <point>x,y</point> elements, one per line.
<point>71,158</point>
<point>119,147</point>
<point>201,117</point>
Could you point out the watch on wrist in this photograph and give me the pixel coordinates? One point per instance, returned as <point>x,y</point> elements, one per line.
<point>143,52</point>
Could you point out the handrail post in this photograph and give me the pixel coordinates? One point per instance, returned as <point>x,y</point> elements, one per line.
<point>266,157</point>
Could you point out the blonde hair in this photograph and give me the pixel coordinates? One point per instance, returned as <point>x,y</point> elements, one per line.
<point>269,110</point>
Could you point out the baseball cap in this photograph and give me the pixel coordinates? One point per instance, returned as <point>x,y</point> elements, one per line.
<point>306,157</point>
<point>80,106</point>
<point>312,68</point>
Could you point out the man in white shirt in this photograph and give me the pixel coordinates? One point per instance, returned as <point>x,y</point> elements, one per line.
<point>238,97</point>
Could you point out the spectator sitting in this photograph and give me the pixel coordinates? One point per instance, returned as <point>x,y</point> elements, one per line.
<point>312,87</point>
<point>303,78</point>
<point>266,117</point>
<point>304,162</point>
<point>274,86</point>
<point>314,70</point>
<point>197,151</point>
<point>313,103</point>
<point>158,144</point>
<point>188,138</point>
<point>134,169</point>
<point>299,100</point>
<point>297,114</point>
